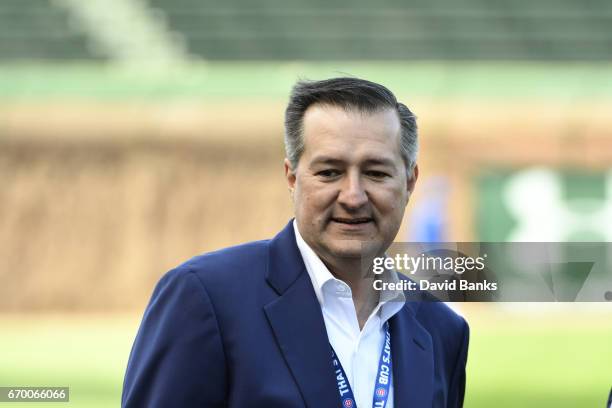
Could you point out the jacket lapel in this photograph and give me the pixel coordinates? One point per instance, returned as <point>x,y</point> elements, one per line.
<point>412,354</point>
<point>298,325</point>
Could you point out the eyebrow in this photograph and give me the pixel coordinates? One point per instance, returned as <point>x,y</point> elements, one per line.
<point>380,161</point>
<point>369,161</point>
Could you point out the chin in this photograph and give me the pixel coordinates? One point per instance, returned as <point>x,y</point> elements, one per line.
<point>354,249</point>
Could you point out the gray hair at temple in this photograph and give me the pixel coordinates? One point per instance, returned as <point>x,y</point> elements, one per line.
<point>347,93</point>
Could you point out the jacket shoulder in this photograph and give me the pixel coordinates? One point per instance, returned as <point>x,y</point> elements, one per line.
<point>226,264</point>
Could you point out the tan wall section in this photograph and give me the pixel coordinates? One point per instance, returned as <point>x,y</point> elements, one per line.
<point>94,226</point>
<point>98,200</point>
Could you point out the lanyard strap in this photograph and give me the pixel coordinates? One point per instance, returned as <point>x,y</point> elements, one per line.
<point>383,377</point>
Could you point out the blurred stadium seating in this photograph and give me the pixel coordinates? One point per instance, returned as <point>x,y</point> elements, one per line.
<point>318,30</point>
<point>404,30</point>
<point>39,30</point>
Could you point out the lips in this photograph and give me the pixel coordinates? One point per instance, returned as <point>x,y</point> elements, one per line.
<point>352,221</point>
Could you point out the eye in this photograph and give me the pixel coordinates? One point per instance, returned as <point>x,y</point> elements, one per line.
<point>377,174</point>
<point>328,173</point>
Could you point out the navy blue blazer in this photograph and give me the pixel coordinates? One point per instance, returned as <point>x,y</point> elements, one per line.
<point>242,327</point>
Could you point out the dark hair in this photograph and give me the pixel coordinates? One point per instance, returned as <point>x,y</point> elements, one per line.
<point>347,93</point>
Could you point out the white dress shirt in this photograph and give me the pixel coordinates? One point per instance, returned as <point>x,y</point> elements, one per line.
<point>358,350</point>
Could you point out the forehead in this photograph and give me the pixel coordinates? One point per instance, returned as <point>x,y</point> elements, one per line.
<point>331,129</point>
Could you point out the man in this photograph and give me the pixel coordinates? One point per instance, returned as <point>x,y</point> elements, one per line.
<point>293,321</point>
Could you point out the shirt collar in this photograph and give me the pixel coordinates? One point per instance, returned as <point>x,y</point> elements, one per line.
<point>391,301</point>
<point>318,272</point>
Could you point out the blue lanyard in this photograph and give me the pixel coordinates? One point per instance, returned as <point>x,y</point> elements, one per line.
<point>383,377</point>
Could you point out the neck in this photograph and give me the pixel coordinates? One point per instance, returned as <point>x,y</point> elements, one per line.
<point>365,298</point>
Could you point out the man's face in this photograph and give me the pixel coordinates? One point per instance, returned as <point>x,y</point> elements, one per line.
<point>350,187</point>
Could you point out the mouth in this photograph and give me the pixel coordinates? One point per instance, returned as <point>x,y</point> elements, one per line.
<point>352,221</point>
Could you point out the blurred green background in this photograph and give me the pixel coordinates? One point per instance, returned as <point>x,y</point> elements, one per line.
<point>136,134</point>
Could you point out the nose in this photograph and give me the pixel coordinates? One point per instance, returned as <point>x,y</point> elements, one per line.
<point>352,194</point>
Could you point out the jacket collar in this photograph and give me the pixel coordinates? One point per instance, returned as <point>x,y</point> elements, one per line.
<point>285,262</point>
<point>297,322</point>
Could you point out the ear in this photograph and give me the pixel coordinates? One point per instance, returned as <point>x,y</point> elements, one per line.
<point>411,182</point>
<point>289,175</point>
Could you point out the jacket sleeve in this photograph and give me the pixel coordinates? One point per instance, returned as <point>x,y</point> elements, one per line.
<point>456,390</point>
<point>177,359</point>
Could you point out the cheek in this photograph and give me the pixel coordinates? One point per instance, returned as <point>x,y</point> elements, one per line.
<point>313,203</point>
<point>318,196</point>
<point>390,199</point>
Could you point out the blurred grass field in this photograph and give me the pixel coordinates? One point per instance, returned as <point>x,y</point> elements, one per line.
<point>542,359</point>
<point>516,81</point>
